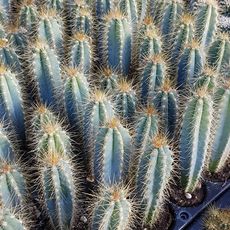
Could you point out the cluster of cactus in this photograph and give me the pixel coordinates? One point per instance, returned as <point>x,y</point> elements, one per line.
<point>126,97</point>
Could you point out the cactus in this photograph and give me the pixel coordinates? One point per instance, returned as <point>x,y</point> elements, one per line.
<point>58,188</point>
<point>217,218</point>
<point>46,71</point>
<point>165,101</point>
<point>49,29</point>
<point>206,22</point>
<point>8,56</point>
<point>28,15</point>
<point>111,161</point>
<point>219,152</point>
<point>117,41</point>
<point>194,138</point>
<point>12,184</point>
<point>12,101</point>
<point>154,172</point>
<point>190,64</point>
<point>152,76</point>
<point>80,54</point>
<point>184,35</point>
<point>173,11</point>
<point>52,137</point>
<point>125,99</point>
<point>108,79</point>
<point>7,151</point>
<point>146,127</point>
<point>76,95</point>
<point>219,52</point>
<point>103,8</point>
<point>55,4</point>
<point>113,210</point>
<point>207,79</point>
<point>129,8</point>
<point>9,220</point>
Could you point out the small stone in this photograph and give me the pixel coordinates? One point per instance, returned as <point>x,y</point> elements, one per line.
<point>83,219</point>
<point>188,195</point>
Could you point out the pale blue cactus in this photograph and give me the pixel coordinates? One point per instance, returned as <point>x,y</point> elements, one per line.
<point>152,76</point>
<point>11,106</point>
<point>206,22</point>
<point>49,29</point>
<point>219,151</point>
<point>112,153</point>
<point>190,64</point>
<point>113,210</point>
<point>12,185</point>
<point>117,42</point>
<point>219,52</point>
<point>10,220</point>
<point>125,99</point>
<point>154,172</point>
<point>129,8</point>
<point>58,188</point>
<point>46,72</point>
<point>76,92</point>
<point>55,4</point>
<point>81,52</point>
<point>194,138</point>
<point>166,102</point>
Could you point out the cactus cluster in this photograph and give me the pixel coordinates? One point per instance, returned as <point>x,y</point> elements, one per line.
<point>106,105</point>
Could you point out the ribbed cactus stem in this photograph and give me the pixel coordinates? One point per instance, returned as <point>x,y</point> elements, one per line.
<point>58,189</point>
<point>157,8</point>
<point>171,15</point>
<point>6,147</point>
<point>11,107</point>
<point>184,35</point>
<point>46,71</point>
<point>194,138</point>
<point>207,79</point>
<point>80,53</point>
<point>55,4</point>
<point>103,7</point>
<point>113,210</point>
<point>152,76</point>
<point>125,99</point>
<point>52,137</point>
<point>206,21</point>
<point>28,15</point>
<point>108,79</point>
<point>153,176</point>
<point>50,29</point>
<point>76,91</point>
<point>117,41</point>
<point>166,101</point>
<point>83,21</point>
<point>129,8</point>
<point>112,153</point>
<point>8,219</point>
<point>220,146</point>
<point>146,127</point>
<point>190,64</point>
<point>8,55</point>
<point>219,52</point>
<point>12,184</point>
